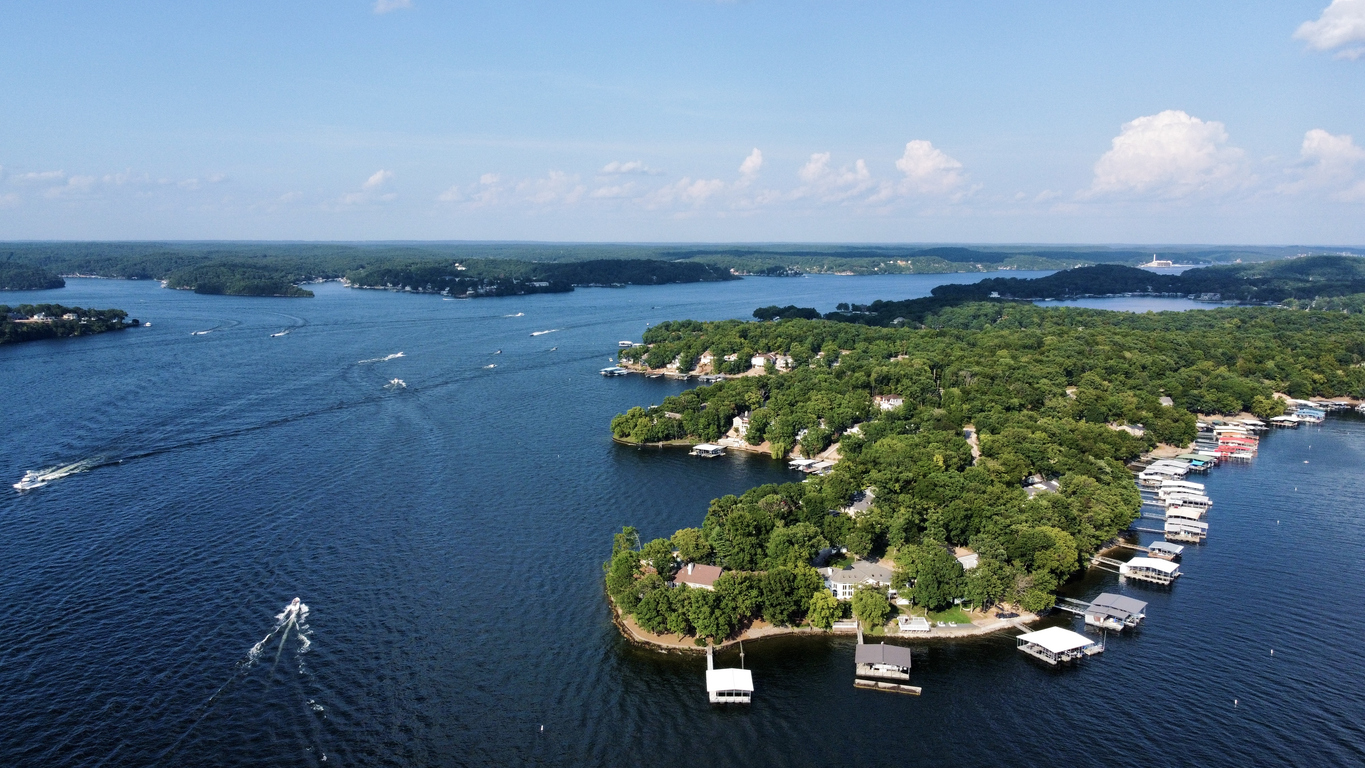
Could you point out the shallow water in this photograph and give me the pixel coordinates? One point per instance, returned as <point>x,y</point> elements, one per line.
<point>447,541</point>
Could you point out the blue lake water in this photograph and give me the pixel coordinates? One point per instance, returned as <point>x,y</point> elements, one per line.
<point>447,540</point>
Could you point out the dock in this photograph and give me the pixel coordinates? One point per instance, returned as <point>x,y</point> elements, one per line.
<point>1055,645</point>
<point>878,667</point>
<point>728,686</point>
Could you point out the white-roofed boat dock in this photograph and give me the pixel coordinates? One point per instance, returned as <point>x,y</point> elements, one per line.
<point>1055,645</point>
<point>728,686</point>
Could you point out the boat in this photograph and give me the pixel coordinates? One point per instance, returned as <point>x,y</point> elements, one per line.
<point>200,333</point>
<point>396,384</point>
<point>490,365</point>
<point>614,370</point>
<point>277,335</point>
<point>146,325</point>
<point>625,344</point>
<point>31,479</point>
<point>542,333</point>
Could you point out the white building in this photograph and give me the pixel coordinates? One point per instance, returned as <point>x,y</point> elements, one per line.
<point>889,402</point>
<point>843,582</point>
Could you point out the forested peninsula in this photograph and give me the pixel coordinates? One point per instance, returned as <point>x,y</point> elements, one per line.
<point>1062,393</point>
<point>24,277</point>
<point>31,322</point>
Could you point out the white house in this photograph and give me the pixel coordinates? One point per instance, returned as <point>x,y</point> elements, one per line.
<point>889,402</point>
<point>843,582</point>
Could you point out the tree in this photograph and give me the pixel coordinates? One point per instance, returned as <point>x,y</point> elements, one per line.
<point>823,609</point>
<point>659,554</point>
<point>653,611</point>
<point>628,538</point>
<point>871,606</point>
<point>987,583</point>
<point>1267,407</point>
<point>794,545</point>
<point>692,545</point>
<point>787,592</point>
<point>708,615</point>
<point>939,580</point>
<point>622,570</point>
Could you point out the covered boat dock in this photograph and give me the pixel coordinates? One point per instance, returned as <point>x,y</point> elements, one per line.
<point>1116,612</point>
<point>1150,569</point>
<point>1055,645</point>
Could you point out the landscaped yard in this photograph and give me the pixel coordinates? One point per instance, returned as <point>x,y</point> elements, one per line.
<point>954,614</point>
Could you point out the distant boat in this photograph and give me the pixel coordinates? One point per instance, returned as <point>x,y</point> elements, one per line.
<point>146,325</point>
<point>542,333</point>
<point>614,371</point>
<point>494,365</point>
<point>519,314</point>
<point>277,335</point>
<point>200,333</point>
<point>499,352</point>
<point>553,348</point>
<point>396,384</point>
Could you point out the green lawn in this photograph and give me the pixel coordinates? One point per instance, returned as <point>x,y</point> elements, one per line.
<point>954,614</point>
<point>842,562</point>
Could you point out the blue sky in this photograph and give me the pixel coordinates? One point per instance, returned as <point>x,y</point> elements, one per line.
<point>685,120</point>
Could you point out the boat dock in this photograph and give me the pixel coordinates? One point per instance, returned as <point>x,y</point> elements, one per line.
<point>728,686</point>
<point>879,667</point>
<point>1055,645</point>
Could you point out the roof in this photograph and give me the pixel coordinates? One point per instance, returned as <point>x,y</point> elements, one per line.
<point>729,680</point>
<point>1165,566</point>
<point>701,575</point>
<point>969,561</point>
<point>895,655</point>
<point>1056,639</point>
<point>1120,602</point>
<point>1166,546</point>
<point>858,573</point>
<point>708,447</point>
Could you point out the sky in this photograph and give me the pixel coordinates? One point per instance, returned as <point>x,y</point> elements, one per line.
<point>1155,122</point>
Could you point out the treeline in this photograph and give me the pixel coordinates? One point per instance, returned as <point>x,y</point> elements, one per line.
<point>236,279</point>
<point>1042,388</point>
<point>24,277</point>
<point>53,321</point>
<point>501,277</point>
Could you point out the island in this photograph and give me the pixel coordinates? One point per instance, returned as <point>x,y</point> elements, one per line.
<point>973,461</point>
<point>32,322</point>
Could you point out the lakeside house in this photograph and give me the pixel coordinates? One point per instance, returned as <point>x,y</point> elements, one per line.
<point>780,362</point>
<point>697,576</point>
<point>843,582</point>
<point>862,502</point>
<point>888,402</point>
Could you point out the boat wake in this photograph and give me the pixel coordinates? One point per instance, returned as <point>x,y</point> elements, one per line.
<point>542,333</point>
<point>201,333</point>
<point>294,617</point>
<point>394,356</point>
<point>37,478</point>
<point>277,335</point>
<point>519,314</point>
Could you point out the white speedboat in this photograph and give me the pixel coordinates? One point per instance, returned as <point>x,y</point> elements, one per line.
<point>277,335</point>
<point>396,384</point>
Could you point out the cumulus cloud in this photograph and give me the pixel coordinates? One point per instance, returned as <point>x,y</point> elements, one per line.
<point>1341,24</point>
<point>1328,164</point>
<point>821,181</point>
<point>378,179</point>
<point>617,168</point>
<point>372,191</point>
<point>751,165</point>
<point>928,170</point>
<point>555,187</point>
<point>685,191</point>
<point>1169,155</point>
<point>389,6</point>
<point>38,177</point>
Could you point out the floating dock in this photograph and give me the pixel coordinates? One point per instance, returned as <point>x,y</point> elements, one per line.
<point>727,686</point>
<point>1055,645</point>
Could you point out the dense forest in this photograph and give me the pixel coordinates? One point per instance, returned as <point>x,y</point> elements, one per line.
<point>31,322</point>
<point>1042,388</point>
<point>25,277</point>
<point>277,269</point>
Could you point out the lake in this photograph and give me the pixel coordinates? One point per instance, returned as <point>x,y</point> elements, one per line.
<point>447,540</point>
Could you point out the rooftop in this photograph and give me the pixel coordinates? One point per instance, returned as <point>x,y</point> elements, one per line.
<point>860,572</point>
<point>697,575</point>
<point>1056,639</point>
<point>894,655</point>
<point>729,680</point>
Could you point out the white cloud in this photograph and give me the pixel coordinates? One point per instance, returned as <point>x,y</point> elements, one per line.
<point>1328,164</point>
<point>451,195</point>
<point>928,171</point>
<point>1341,23</point>
<point>1170,155</point>
<point>616,167</point>
<point>388,6</point>
<point>614,192</point>
<point>751,165</point>
<point>9,200</point>
<point>823,182</point>
<point>379,179</point>
<point>37,177</point>
<point>686,191</point>
<point>555,187</point>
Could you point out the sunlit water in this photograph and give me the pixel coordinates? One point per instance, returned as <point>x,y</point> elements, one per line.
<point>445,541</point>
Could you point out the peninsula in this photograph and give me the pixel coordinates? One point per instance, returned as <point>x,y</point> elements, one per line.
<point>982,450</point>
<point>32,322</point>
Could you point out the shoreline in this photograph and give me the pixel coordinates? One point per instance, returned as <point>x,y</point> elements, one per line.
<point>761,630</point>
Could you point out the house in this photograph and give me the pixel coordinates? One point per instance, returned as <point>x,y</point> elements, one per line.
<point>889,402</point>
<point>969,560</point>
<point>862,502</point>
<point>740,425</point>
<point>780,362</point>
<point>697,576</point>
<point>843,582</point>
<point>706,358</point>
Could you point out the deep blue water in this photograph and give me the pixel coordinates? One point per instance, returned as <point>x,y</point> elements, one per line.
<point>447,540</point>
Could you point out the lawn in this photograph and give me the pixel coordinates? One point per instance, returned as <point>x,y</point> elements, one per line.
<point>954,614</point>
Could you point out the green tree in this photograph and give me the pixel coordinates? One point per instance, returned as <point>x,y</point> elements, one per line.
<point>871,606</point>
<point>692,545</point>
<point>939,580</point>
<point>823,609</point>
<point>659,554</point>
<point>795,545</point>
<point>628,538</point>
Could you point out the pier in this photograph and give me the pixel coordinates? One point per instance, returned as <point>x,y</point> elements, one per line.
<point>1055,645</point>
<point>878,667</point>
<point>728,686</point>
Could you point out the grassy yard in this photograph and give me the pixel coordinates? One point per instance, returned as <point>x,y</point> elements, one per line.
<point>954,614</point>
<point>842,562</point>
